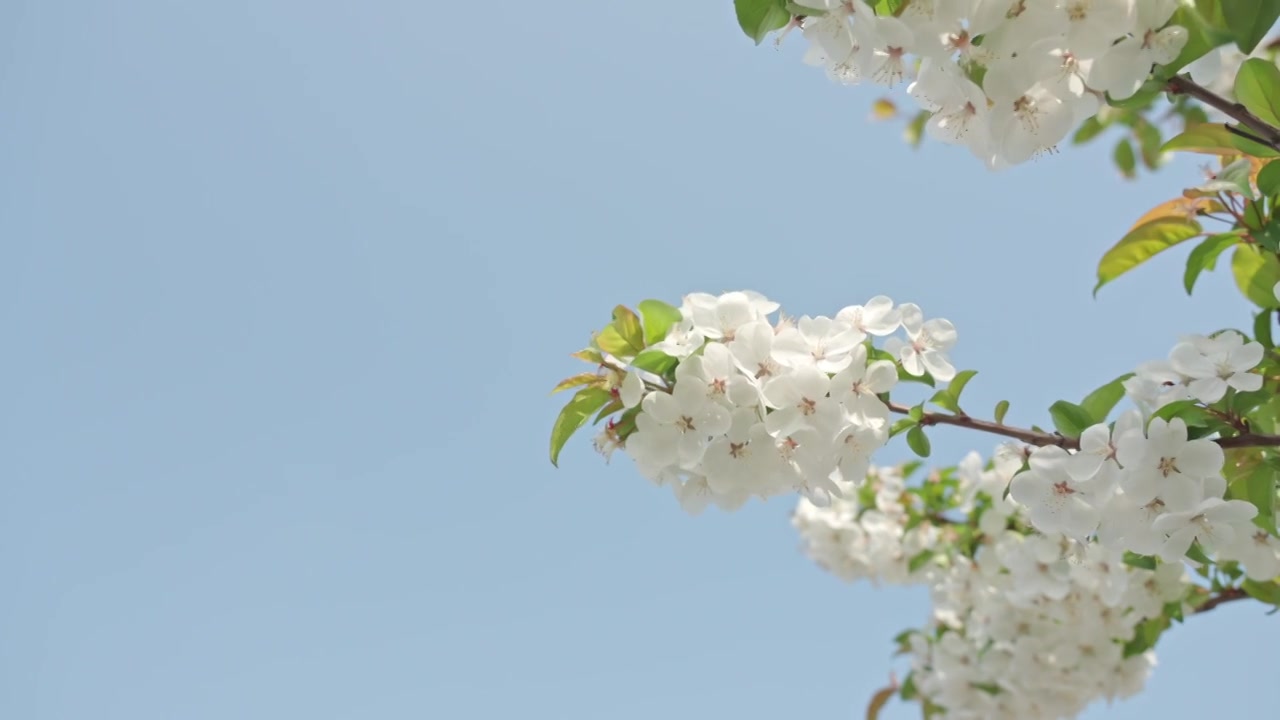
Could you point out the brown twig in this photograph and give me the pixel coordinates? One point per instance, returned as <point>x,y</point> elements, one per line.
<point>1038,438</point>
<point>1031,437</point>
<point>1266,132</point>
<point>1227,595</point>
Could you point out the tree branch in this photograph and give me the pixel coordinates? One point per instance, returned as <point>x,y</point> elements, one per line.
<point>1038,438</point>
<point>1267,133</point>
<point>1031,437</point>
<point>1227,595</point>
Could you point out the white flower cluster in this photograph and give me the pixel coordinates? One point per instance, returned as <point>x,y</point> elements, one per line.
<point>1032,626</point>
<point>1199,368</point>
<point>1028,630</point>
<point>1144,486</point>
<point>760,408</point>
<point>1007,78</point>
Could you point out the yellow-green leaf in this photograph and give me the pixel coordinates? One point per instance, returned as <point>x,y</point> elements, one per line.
<point>574,415</point>
<point>1256,271</point>
<point>1216,139</point>
<point>576,380</point>
<point>1141,244</point>
<point>1260,489</point>
<point>628,325</point>
<point>1183,207</point>
<point>658,319</point>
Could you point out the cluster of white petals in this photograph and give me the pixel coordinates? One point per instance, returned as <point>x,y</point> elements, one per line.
<point>1145,485</point>
<point>1199,368</point>
<point>1030,626</point>
<point>761,407</point>
<point>1009,79</point>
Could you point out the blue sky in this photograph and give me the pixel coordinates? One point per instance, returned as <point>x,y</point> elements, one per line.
<point>284,285</point>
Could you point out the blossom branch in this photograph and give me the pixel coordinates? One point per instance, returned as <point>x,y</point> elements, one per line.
<point>1227,595</point>
<point>1031,437</point>
<point>1039,438</point>
<point>1265,132</point>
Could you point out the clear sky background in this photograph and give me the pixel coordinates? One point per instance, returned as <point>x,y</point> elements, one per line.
<point>284,285</point>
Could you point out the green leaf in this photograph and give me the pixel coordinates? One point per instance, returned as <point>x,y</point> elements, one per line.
<point>574,415</point>
<point>576,380</point>
<point>1196,553</point>
<point>614,406</point>
<point>1249,20</point>
<point>758,18</point>
<point>1258,88</point>
<point>1205,256</point>
<point>1002,408</point>
<point>1100,402</point>
<point>1189,410</point>
<point>909,691</point>
<point>1141,244</point>
<point>904,376</point>
<point>1260,489</point>
<point>658,319</point>
<point>918,441</point>
<point>1145,636</point>
<point>1269,179</point>
<point>1140,100</point>
<point>919,560</point>
<point>1149,142</point>
<point>962,378</point>
<point>1257,272</point>
<point>804,10</point>
<point>1124,158</point>
<point>1070,419</point>
<point>1262,324</point>
<point>900,425</point>
<point>1089,129</point>
<point>1267,592</point>
<point>656,362</point>
<point>949,397</point>
<point>943,399</point>
<point>1147,562</point>
<point>1243,403</point>
<point>913,132</point>
<point>1216,139</point>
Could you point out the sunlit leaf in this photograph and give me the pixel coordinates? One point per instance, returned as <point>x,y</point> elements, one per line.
<point>1141,244</point>
<point>574,415</point>
<point>659,317</point>
<point>1256,272</point>
<point>576,380</point>
<point>1216,139</point>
